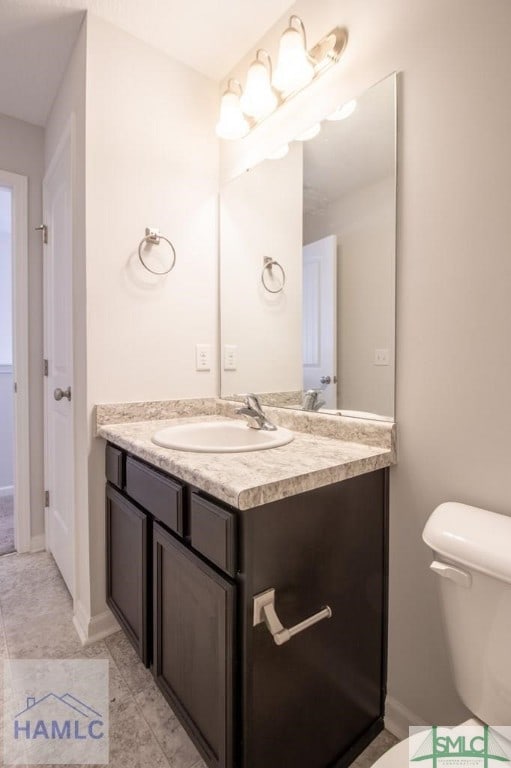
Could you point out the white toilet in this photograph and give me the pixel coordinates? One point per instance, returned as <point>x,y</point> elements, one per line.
<point>473,556</point>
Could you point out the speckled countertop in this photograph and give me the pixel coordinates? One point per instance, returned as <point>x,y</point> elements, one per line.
<point>249,479</point>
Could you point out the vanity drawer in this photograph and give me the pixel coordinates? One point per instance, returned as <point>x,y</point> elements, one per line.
<point>213,533</point>
<point>114,466</point>
<point>157,493</point>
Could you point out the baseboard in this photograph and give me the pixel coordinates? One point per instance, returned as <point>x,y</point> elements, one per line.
<point>93,628</point>
<point>399,718</point>
<point>7,490</point>
<point>38,543</point>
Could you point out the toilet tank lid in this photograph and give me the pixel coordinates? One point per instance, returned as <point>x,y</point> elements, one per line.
<point>471,536</point>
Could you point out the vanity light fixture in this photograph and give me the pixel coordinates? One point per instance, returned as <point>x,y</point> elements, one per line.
<point>259,99</point>
<point>344,111</point>
<point>310,133</point>
<point>232,123</point>
<point>297,67</point>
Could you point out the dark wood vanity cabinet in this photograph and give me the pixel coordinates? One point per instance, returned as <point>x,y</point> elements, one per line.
<point>127,576</point>
<point>193,660</point>
<point>314,702</point>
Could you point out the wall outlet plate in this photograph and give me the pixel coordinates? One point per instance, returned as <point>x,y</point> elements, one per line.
<point>230,355</point>
<point>203,357</point>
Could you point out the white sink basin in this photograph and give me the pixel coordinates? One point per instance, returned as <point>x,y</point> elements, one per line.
<point>220,437</point>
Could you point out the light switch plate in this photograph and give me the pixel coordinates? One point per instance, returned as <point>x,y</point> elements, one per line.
<point>230,362</point>
<point>203,357</point>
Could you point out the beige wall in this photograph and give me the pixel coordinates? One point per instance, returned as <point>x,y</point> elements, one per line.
<point>152,160</point>
<point>22,151</point>
<point>364,221</point>
<point>261,215</point>
<point>454,277</point>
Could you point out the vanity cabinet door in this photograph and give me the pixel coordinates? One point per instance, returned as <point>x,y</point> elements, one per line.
<point>194,645</point>
<point>126,568</point>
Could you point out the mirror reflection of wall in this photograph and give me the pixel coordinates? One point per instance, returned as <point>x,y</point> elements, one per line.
<point>326,212</point>
<point>261,217</point>
<point>349,195</point>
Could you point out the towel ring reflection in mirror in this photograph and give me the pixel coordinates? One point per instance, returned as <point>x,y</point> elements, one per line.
<point>268,265</point>
<point>153,237</point>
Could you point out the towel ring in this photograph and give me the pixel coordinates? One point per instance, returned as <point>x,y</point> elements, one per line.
<point>269,264</point>
<point>153,236</point>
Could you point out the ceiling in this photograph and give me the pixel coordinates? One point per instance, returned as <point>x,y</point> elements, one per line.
<point>352,153</point>
<point>37,36</point>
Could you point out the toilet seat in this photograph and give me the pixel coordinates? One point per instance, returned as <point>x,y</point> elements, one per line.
<point>398,756</point>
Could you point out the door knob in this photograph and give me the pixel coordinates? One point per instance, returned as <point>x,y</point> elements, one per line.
<point>326,379</point>
<point>60,393</point>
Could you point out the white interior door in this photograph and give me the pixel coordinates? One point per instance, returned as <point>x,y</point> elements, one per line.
<point>58,334</point>
<point>320,318</point>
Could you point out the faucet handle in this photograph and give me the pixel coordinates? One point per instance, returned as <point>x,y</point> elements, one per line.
<point>252,401</point>
<point>254,413</point>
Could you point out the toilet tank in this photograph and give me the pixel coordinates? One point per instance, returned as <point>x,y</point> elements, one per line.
<point>472,549</point>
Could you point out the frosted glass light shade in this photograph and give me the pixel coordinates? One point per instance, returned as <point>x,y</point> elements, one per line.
<point>310,133</point>
<point>279,153</point>
<point>344,111</point>
<point>232,124</point>
<point>259,98</point>
<point>294,70</point>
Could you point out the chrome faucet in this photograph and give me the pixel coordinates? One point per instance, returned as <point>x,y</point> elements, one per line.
<point>312,400</point>
<point>255,414</point>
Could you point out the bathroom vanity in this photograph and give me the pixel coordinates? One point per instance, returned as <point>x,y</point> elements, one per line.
<point>186,558</point>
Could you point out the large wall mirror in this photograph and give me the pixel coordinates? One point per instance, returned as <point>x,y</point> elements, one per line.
<point>307,268</point>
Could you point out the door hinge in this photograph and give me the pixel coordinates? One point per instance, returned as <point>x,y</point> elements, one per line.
<point>46,498</point>
<point>45,367</point>
<point>44,229</point>
<point>15,387</point>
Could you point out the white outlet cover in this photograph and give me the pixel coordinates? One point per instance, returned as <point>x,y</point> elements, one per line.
<point>203,357</point>
<point>230,357</point>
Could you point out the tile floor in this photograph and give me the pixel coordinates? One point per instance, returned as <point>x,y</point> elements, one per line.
<point>6,524</point>
<point>144,733</point>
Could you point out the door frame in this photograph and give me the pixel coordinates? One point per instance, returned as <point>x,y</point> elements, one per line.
<point>21,448</point>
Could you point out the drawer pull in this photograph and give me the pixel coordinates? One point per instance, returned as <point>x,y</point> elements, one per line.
<point>264,611</point>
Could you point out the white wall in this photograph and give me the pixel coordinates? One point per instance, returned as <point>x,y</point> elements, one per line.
<point>21,151</point>
<point>152,160</point>
<point>261,215</point>
<point>364,221</point>
<point>144,142</point>
<point>454,275</point>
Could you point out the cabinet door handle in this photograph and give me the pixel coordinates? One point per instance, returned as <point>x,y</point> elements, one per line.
<point>264,611</point>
